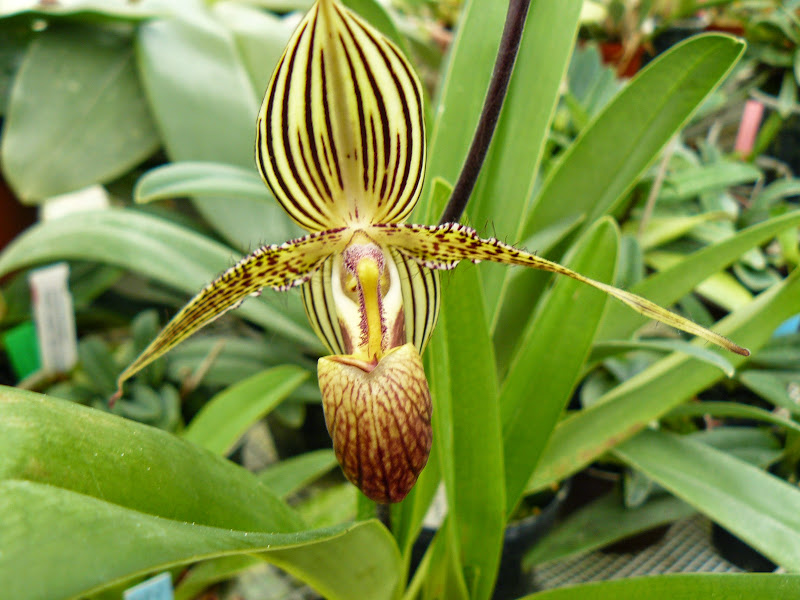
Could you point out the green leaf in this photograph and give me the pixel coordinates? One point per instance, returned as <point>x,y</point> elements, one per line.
<point>552,351</point>
<point>722,288</point>
<point>604,521</point>
<point>503,192</point>
<point>781,388</point>
<point>65,445</point>
<point>39,525</point>
<point>76,115</point>
<point>661,230</point>
<point>292,474</point>
<point>467,428</point>
<point>670,285</point>
<point>720,586</point>
<point>693,181</point>
<point>629,407</point>
<point>602,165</point>
<point>759,508</point>
<point>732,409</point>
<point>155,248</point>
<point>260,38</point>
<point>213,571</point>
<point>200,179</point>
<point>222,183</point>
<point>205,106</point>
<point>603,350</point>
<point>462,89</point>
<point>229,414</point>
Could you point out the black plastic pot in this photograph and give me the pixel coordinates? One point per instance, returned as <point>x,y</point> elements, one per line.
<point>520,536</point>
<point>739,552</point>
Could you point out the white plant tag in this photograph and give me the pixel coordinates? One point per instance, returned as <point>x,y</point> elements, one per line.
<point>54,317</point>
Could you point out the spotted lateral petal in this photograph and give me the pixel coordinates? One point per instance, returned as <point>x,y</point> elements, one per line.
<point>444,246</point>
<point>340,136</point>
<point>277,266</point>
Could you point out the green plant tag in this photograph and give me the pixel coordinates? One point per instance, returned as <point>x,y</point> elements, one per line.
<point>155,588</point>
<point>22,349</point>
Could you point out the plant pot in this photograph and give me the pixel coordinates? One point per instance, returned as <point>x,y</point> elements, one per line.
<point>598,480</point>
<point>738,552</point>
<point>519,537</point>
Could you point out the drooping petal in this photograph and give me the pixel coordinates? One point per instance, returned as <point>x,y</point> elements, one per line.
<point>443,246</point>
<point>340,136</point>
<point>379,418</point>
<point>276,266</point>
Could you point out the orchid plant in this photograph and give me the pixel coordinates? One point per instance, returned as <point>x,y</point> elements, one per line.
<point>341,143</point>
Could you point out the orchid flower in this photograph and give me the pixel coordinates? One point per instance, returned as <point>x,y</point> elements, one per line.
<point>341,143</point>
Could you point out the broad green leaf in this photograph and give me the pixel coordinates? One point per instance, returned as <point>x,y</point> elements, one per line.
<point>722,288</point>
<point>229,414</point>
<point>603,164</point>
<point>377,16</point>
<point>691,182</point>
<point>205,106</point>
<point>545,369</point>
<point>155,248</point>
<point>604,521</point>
<point>76,115</point>
<point>732,409</point>
<point>83,10</point>
<point>604,350</point>
<point>39,525</point>
<point>292,474</point>
<point>260,38</point>
<point>759,508</point>
<point>629,407</point>
<point>65,445</point>
<point>234,358</point>
<point>467,429</point>
<point>671,284</point>
<point>462,89</point>
<point>206,574</point>
<point>222,183</point>
<point>719,586</point>
<point>509,174</point>
<point>200,179</point>
<point>781,388</point>
<point>661,230</point>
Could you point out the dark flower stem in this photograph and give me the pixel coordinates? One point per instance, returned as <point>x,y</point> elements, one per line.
<point>384,514</point>
<point>503,66</point>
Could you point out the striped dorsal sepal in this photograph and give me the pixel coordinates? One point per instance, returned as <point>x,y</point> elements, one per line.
<point>279,267</point>
<point>444,246</point>
<point>341,136</point>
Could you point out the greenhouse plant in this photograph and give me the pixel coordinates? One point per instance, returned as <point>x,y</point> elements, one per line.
<point>505,357</point>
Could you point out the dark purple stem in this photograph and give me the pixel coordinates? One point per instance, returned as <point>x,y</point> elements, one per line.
<point>498,86</point>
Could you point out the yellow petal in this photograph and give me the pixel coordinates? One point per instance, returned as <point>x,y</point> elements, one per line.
<point>379,419</point>
<point>340,136</point>
<point>279,267</point>
<point>443,246</point>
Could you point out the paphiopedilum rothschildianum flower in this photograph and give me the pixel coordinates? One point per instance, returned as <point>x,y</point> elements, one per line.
<point>341,144</point>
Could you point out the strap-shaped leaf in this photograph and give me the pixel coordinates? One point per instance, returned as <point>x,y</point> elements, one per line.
<point>279,267</point>
<point>443,247</point>
<point>340,137</point>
